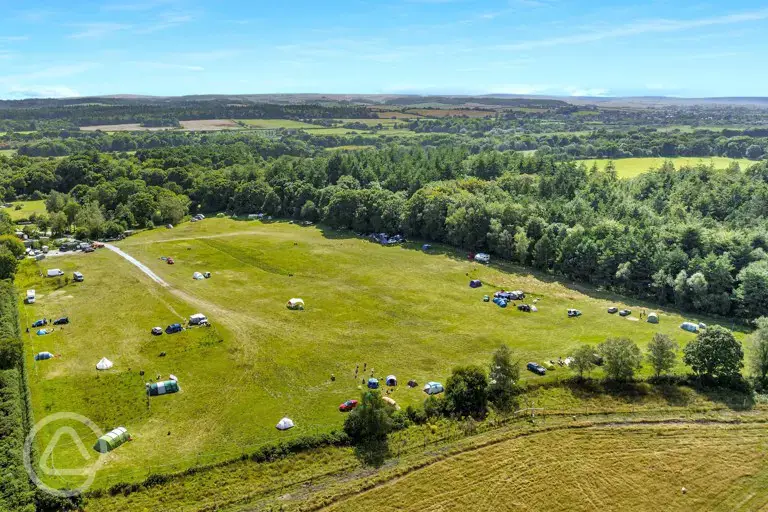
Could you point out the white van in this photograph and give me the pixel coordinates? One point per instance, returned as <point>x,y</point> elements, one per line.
<point>30,298</point>
<point>482,257</point>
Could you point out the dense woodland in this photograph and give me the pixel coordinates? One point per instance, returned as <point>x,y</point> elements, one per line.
<point>696,237</point>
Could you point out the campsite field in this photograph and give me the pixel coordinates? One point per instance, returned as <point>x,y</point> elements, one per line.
<point>631,167</point>
<point>276,123</point>
<point>27,209</point>
<point>396,310</point>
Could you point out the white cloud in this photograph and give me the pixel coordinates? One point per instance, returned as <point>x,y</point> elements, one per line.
<point>57,71</point>
<point>147,5</point>
<point>594,92</point>
<point>519,89</point>
<point>97,30</point>
<point>41,91</point>
<point>637,28</point>
<point>165,65</point>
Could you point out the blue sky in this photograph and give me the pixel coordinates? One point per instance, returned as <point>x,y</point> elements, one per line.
<point>551,47</point>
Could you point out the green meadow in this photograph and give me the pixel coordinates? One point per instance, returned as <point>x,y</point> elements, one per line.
<point>392,310</point>
<point>631,167</point>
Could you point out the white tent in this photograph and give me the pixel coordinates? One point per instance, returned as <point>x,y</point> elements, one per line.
<point>173,378</point>
<point>295,304</point>
<point>197,275</point>
<point>197,319</point>
<point>285,424</point>
<point>104,364</point>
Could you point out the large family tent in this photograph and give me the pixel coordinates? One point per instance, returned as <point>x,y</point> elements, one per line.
<point>104,364</point>
<point>295,304</point>
<point>42,356</point>
<point>112,440</point>
<point>433,388</point>
<point>284,424</point>
<point>198,319</point>
<point>42,332</point>
<point>163,388</point>
<point>391,380</point>
<point>653,318</point>
<point>689,326</point>
<point>373,383</point>
<point>475,283</point>
<point>197,276</point>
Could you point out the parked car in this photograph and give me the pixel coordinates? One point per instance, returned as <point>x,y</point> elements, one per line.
<point>61,321</point>
<point>613,309</point>
<point>40,323</point>
<point>157,331</point>
<point>625,312</point>
<point>348,405</point>
<point>78,277</point>
<point>574,313</point>
<point>88,249</point>
<point>173,328</point>
<point>536,368</point>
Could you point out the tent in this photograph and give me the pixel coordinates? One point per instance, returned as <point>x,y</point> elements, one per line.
<point>284,424</point>
<point>412,383</point>
<point>42,356</point>
<point>653,318</point>
<point>500,302</point>
<point>433,388</point>
<point>104,364</point>
<point>391,380</point>
<point>197,276</point>
<point>173,328</point>
<point>42,332</point>
<point>112,440</point>
<point>689,326</point>
<point>391,402</point>
<point>295,304</point>
<point>198,319</point>
<point>163,388</point>
<point>426,247</point>
<point>702,325</point>
<point>475,283</point>
<point>373,383</point>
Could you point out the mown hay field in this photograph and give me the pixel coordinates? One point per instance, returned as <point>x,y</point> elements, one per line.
<point>604,468</point>
<point>390,310</point>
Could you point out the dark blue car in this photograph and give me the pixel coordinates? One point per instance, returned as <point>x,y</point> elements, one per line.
<point>173,328</point>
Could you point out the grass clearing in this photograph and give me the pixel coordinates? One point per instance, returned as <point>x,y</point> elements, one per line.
<point>7,152</point>
<point>631,167</point>
<point>27,209</point>
<point>276,123</point>
<point>261,361</point>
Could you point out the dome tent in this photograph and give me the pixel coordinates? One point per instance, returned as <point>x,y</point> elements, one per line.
<point>433,388</point>
<point>104,364</point>
<point>373,383</point>
<point>42,356</point>
<point>285,424</point>
<point>391,380</point>
<point>295,304</point>
<point>391,401</point>
<point>197,276</point>
<point>653,318</point>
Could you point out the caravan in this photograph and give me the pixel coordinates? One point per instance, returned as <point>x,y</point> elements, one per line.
<point>30,298</point>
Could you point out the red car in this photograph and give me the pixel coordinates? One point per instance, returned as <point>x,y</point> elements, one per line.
<point>348,405</point>
<point>170,261</point>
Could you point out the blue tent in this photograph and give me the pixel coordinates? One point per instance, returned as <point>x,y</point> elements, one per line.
<point>42,356</point>
<point>689,326</point>
<point>433,388</point>
<point>373,383</point>
<point>391,380</point>
<point>500,302</point>
<point>426,247</point>
<point>42,332</point>
<point>475,283</point>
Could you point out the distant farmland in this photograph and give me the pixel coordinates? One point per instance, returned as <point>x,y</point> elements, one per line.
<point>631,167</point>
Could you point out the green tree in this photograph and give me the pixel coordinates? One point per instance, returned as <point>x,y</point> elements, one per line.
<point>309,211</point>
<point>368,426</point>
<point>59,223</point>
<point>752,292</point>
<point>714,353</point>
<point>466,391</point>
<point>503,374</point>
<point>759,359</point>
<point>13,244</point>
<point>90,219</point>
<point>8,264</point>
<point>521,245</point>
<point>583,360</point>
<point>662,353</point>
<point>622,357</point>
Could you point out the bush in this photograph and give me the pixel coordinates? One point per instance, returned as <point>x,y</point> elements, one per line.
<point>416,415</point>
<point>466,391</point>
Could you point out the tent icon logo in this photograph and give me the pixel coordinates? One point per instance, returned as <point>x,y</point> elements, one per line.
<point>65,437</point>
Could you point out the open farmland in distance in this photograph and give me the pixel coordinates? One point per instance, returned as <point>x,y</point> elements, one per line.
<point>631,167</point>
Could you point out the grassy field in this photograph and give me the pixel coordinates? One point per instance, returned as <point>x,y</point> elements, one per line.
<point>7,152</point>
<point>27,209</point>
<point>631,167</point>
<point>620,468</point>
<point>261,361</point>
<point>276,123</point>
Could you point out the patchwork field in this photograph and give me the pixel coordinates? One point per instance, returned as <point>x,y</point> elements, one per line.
<point>194,125</point>
<point>260,361</point>
<point>631,167</point>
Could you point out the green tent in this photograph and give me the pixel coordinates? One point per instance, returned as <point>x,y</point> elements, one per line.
<point>163,388</point>
<point>112,440</point>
